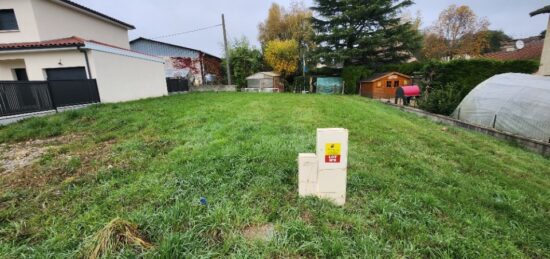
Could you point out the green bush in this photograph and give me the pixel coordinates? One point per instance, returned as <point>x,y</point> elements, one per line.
<point>298,84</point>
<point>352,76</point>
<point>443,100</point>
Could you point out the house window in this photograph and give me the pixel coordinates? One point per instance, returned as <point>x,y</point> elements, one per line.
<point>7,20</point>
<point>396,83</point>
<point>388,83</point>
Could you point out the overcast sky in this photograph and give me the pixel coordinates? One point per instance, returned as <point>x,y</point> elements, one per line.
<point>156,18</point>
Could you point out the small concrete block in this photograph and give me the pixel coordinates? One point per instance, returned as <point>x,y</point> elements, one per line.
<point>307,174</point>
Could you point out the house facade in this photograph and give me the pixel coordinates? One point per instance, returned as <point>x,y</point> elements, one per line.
<point>61,40</point>
<point>182,62</point>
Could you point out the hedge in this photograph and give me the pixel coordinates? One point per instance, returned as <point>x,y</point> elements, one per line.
<point>352,76</point>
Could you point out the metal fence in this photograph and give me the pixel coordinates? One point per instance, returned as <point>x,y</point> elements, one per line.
<point>74,92</point>
<point>34,96</point>
<point>177,85</point>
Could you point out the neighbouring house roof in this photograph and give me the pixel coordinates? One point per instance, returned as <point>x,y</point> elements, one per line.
<point>378,76</point>
<point>94,12</point>
<point>543,10</point>
<point>532,50</point>
<point>57,43</point>
<point>262,75</point>
<point>173,45</point>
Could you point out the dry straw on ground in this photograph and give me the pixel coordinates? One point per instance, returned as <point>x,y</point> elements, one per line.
<point>116,235</point>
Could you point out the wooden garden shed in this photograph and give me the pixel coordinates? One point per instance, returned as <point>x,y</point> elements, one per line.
<point>384,85</point>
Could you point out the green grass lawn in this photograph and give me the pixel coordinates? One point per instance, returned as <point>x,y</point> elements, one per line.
<point>415,189</point>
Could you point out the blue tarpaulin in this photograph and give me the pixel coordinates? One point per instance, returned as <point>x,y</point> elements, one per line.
<point>329,85</point>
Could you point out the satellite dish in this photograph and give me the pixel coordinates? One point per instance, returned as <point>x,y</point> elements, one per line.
<point>520,44</point>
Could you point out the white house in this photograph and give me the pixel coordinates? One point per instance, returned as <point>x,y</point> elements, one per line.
<point>59,39</point>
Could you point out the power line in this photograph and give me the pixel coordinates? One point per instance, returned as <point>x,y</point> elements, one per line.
<point>185,32</point>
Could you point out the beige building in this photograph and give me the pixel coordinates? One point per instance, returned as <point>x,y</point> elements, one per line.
<point>61,40</point>
<point>545,58</point>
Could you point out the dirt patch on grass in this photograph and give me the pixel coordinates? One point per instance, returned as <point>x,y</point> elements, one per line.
<point>23,154</point>
<point>264,232</point>
<point>20,167</point>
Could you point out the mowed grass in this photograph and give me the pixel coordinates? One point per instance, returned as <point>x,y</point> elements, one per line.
<point>415,189</point>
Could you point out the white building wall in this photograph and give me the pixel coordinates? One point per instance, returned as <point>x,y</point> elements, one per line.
<point>37,61</point>
<point>24,13</point>
<point>545,59</point>
<point>56,21</point>
<point>7,67</point>
<point>124,78</point>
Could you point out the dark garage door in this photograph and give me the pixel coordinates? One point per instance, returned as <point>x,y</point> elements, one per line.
<point>69,86</point>
<point>72,73</point>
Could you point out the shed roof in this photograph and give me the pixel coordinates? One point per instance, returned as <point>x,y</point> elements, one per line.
<point>261,75</point>
<point>378,76</point>
<point>545,9</point>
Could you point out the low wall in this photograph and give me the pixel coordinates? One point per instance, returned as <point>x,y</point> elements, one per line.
<point>15,118</point>
<point>213,88</point>
<point>530,144</point>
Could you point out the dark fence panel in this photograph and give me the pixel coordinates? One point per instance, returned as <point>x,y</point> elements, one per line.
<point>177,85</point>
<point>74,92</point>
<point>24,97</point>
<point>34,96</point>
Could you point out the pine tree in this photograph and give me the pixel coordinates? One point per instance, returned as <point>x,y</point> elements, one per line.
<point>363,32</point>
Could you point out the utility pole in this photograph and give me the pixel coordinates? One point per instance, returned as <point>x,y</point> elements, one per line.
<point>227,58</point>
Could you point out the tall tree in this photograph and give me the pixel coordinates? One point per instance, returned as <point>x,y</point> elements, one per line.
<point>495,40</point>
<point>274,27</point>
<point>364,32</point>
<point>458,31</point>
<point>294,24</point>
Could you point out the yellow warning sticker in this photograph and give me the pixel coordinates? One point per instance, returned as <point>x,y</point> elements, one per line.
<point>333,152</point>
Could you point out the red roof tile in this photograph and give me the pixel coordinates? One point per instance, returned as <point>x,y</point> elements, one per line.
<point>532,50</point>
<point>60,43</point>
<point>65,42</point>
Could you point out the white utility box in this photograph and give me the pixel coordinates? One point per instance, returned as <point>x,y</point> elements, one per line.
<point>328,179</point>
<point>332,148</point>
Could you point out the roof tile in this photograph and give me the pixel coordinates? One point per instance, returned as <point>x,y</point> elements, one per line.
<point>532,50</point>
<point>64,42</point>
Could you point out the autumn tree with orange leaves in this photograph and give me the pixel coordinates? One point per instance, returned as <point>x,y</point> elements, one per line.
<point>457,32</point>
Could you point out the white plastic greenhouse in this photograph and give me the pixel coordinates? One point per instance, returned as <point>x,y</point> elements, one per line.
<point>513,103</point>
